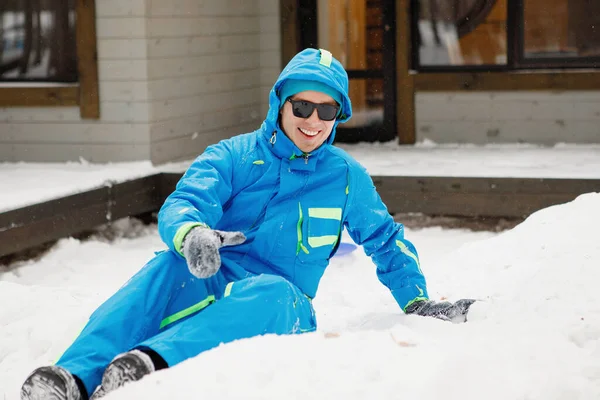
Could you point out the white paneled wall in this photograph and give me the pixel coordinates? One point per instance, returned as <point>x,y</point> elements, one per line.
<point>206,65</point>
<point>58,134</point>
<point>545,118</point>
<point>175,76</point>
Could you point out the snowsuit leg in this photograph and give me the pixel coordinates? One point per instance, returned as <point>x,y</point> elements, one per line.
<point>253,306</point>
<point>161,293</point>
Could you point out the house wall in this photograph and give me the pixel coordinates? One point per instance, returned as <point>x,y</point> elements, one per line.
<point>544,118</point>
<point>57,134</point>
<point>211,64</point>
<point>175,76</point>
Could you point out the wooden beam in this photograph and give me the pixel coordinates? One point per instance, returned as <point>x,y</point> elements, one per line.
<point>405,106</point>
<point>16,96</point>
<point>37,224</point>
<point>478,197</point>
<point>87,59</point>
<point>503,81</point>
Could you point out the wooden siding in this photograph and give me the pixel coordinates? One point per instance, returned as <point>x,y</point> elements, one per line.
<point>54,134</point>
<point>211,65</point>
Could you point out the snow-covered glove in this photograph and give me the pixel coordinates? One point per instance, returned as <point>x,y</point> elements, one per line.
<point>201,249</point>
<point>455,312</point>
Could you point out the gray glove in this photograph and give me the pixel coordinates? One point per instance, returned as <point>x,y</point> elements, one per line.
<point>455,312</point>
<point>201,249</point>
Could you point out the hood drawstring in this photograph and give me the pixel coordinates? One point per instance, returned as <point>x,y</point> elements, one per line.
<point>273,138</point>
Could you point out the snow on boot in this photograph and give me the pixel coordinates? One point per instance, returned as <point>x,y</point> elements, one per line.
<point>125,368</point>
<point>50,382</point>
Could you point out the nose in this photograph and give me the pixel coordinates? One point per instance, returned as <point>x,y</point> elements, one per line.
<point>314,117</point>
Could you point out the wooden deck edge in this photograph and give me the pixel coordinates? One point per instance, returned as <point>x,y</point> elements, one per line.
<point>37,224</point>
<point>44,222</point>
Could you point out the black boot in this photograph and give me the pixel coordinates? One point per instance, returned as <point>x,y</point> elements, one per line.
<point>127,367</point>
<point>50,382</point>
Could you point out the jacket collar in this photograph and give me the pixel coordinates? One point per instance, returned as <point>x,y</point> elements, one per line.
<point>282,147</point>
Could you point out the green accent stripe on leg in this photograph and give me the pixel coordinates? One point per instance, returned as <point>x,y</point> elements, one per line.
<point>188,311</point>
<point>228,289</point>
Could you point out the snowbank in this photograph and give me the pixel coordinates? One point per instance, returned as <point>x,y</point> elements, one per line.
<point>533,334</point>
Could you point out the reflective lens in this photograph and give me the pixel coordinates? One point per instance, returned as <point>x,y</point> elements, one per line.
<point>304,109</point>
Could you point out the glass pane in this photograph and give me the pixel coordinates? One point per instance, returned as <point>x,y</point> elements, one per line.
<point>37,40</point>
<point>461,32</point>
<point>561,28</point>
<point>367,103</point>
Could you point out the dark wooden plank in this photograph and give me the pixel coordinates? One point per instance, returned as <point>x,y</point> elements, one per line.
<point>135,197</point>
<point>43,96</point>
<point>502,81</point>
<point>474,197</point>
<point>405,106</point>
<point>49,209</point>
<point>87,59</point>
<point>37,224</point>
<point>447,196</point>
<point>168,182</point>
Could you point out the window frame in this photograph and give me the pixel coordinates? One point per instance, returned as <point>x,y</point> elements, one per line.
<point>84,93</point>
<point>515,45</point>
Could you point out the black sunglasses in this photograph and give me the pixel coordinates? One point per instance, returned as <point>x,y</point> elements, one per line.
<point>304,109</point>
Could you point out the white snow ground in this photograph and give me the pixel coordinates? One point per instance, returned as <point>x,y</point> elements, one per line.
<point>533,334</point>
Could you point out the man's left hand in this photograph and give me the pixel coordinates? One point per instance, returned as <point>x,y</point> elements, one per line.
<point>455,312</point>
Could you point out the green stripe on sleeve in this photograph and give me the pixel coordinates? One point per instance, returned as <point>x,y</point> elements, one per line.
<point>182,231</point>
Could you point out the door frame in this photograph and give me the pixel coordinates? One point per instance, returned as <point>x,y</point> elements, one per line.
<point>299,30</point>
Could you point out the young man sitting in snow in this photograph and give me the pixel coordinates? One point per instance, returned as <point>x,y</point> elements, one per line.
<point>250,228</point>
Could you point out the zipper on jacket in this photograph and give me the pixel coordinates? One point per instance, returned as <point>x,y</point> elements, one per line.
<point>305,156</point>
<point>273,138</point>
<point>264,209</point>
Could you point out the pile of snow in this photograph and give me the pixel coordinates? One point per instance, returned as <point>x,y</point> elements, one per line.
<point>533,334</point>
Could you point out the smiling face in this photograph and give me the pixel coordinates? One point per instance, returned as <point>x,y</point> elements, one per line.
<point>307,133</point>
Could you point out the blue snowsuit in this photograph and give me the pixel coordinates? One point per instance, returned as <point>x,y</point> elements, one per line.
<point>291,206</point>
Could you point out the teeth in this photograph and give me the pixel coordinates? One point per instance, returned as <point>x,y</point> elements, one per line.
<point>309,133</point>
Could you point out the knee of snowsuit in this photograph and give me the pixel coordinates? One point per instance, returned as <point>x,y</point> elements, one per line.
<point>165,308</point>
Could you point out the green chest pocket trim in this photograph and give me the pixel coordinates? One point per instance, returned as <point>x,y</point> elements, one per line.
<point>324,226</point>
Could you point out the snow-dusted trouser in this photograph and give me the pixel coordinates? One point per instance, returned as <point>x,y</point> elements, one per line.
<point>164,308</point>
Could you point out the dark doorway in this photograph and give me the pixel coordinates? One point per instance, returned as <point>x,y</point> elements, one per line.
<point>361,34</point>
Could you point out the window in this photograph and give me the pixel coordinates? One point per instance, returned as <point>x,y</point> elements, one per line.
<point>561,32</point>
<point>38,41</point>
<point>505,34</point>
<point>48,54</point>
<point>461,32</point>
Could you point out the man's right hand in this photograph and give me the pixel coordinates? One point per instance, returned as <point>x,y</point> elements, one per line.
<point>201,249</point>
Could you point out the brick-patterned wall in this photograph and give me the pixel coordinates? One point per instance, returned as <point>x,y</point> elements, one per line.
<point>543,118</point>
<point>208,66</point>
<point>59,134</point>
